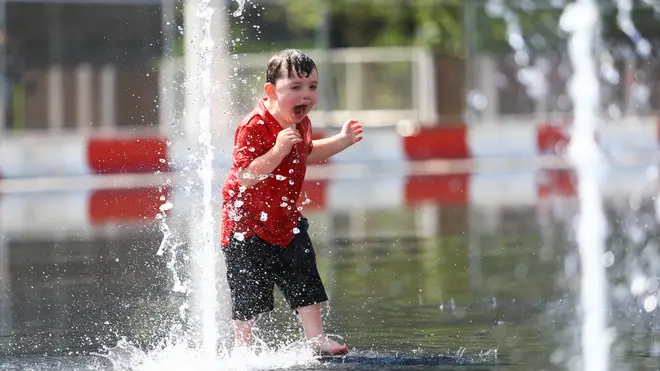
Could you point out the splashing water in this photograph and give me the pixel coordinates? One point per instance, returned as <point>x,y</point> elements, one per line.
<point>639,90</point>
<point>239,11</point>
<point>624,20</point>
<point>196,342</point>
<point>179,355</point>
<point>581,19</point>
<point>531,75</point>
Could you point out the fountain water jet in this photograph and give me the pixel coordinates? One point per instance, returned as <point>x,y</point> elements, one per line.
<point>206,105</point>
<point>581,20</point>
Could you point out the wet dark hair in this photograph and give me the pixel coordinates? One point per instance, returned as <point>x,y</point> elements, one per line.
<point>293,60</point>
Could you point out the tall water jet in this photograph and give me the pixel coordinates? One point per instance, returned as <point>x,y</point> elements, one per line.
<point>581,20</point>
<point>206,71</point>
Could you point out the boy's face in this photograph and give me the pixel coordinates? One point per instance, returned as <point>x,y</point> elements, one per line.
<point>295,95</point>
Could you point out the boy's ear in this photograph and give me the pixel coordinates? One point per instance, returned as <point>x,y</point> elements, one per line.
<point>269,89</point>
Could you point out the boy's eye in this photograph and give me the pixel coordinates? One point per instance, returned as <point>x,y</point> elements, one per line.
<point>296,87</point>
<point>313,87</point>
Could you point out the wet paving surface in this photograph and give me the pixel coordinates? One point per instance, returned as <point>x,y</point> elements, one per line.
<point>432,286</point>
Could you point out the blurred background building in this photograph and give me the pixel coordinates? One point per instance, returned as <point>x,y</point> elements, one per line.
<point>104,65</point>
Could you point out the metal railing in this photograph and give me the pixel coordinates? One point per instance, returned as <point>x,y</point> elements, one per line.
<point>379,86</point>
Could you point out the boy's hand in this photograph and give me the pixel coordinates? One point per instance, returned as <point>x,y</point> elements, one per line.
<point>286,139</point>
<point>351,132</point>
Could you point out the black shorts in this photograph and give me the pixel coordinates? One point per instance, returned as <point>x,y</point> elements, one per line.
<point>254,266</point>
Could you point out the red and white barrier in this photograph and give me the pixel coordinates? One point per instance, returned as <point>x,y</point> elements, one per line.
<point>82,210</point>
<point>77,155</point>
<point>78,210</point>
<point>65,156</point>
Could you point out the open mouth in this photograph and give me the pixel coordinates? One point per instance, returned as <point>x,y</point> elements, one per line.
<point>300,109</point>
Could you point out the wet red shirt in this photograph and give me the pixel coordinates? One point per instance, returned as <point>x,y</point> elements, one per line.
<point>269,208</point>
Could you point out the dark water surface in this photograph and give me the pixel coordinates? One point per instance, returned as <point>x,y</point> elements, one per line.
<point>433,287</point>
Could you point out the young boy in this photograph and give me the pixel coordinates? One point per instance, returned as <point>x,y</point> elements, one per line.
<point>264,235</point>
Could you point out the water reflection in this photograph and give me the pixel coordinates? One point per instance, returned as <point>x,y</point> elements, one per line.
<point>77,293</point>
<point>422,279</point>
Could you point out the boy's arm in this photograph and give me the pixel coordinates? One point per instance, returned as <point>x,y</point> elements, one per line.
<point>322,149</point>
<point>260,167</point>
<point>257,169</point>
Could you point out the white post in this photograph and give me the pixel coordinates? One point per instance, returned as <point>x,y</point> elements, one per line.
<point>424,85</point>
<point>84,97</point>
<point>108,92</point>
<point>487,68</point>
<point>55,103</point>
<point>354,84</point>
<point>167,97</point>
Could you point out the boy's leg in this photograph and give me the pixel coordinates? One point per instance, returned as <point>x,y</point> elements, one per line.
<point>311,320</point>
<point>297,276</point>
<point>243,333</point>
<point>249,267</point>
<point>312,323</point>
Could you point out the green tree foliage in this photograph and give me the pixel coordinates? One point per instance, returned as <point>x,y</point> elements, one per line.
<point>445,26</point>
<point>355,23</point>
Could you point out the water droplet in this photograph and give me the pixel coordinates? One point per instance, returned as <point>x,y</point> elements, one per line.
<point>238,203</point>
<point>280,177</point>
<point>295,161</point>
<point>650,303</point>
<point>242,189</point>
<point>291,182</point>
<point>296,230</point>
<point>307,201</point>
<point>239,236</point>
<point>290,171</point>
<point>306,251</point>
<point>263,216</point>
<point>284,204</point>
<point>477,100</point>
<point>608,259</point>
<point>638,285</point>
<point>239,11</point>
<point>252,149</point>
<point>166,206</point>
<point>300,208</point>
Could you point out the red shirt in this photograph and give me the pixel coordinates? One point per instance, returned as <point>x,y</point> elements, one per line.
<point>269,208</point>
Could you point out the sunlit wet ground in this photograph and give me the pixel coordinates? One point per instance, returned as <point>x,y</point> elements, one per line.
<point>426,286</point>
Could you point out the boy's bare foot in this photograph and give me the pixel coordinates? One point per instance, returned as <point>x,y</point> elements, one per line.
<point>327,347</point>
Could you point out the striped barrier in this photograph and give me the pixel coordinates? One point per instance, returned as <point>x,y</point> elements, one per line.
<point>81,210</point>
<point>66,156</point>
